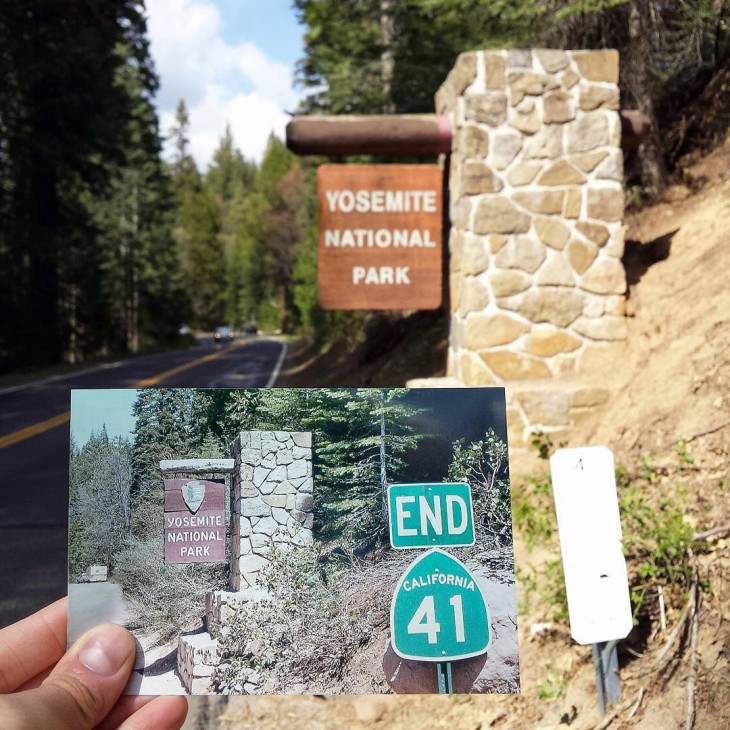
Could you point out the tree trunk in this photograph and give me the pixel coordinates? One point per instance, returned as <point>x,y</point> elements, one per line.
<point>283,310</point>
<point>641,83</point>
<point>133,321</point>
<point>387,57</point>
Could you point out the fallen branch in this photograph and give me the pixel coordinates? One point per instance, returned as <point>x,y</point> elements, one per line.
<point>694,635</point>
<point>658,664</point>
<point>618,710</point>
<point>638,704</point>
<point>711,533</point>
<point>707,432</point>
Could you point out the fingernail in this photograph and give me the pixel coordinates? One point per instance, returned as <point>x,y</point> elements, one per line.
<point>105,649</point>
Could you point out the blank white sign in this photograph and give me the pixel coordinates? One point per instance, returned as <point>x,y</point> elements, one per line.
<point>586,503</point>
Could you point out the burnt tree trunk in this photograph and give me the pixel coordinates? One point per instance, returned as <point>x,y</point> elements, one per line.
<point>641,82</point>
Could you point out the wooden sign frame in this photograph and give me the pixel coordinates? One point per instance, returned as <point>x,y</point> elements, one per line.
<point>197,536</point>
<point>380,236</point>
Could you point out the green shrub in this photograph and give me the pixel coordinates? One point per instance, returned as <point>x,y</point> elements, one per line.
<point>656,537</point>
<point>306,632</point>
<point>167,599</point>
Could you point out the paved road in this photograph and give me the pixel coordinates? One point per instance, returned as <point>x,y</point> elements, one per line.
<point>34,444</point>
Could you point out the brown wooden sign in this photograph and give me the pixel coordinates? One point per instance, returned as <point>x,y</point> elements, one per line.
<point>379,236</point>
<point>195,521</point>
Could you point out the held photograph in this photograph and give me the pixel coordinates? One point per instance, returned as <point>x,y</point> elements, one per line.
<point>297,541</point>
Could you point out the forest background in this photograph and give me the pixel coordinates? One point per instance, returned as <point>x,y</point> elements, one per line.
<point>106,249</point>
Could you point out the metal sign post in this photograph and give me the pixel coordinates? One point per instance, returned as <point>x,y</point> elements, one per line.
<point>608,682</point>
<point>596,581</point>
<point>444,678</point>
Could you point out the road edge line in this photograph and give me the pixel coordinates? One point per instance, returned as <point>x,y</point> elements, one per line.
<point>40,427</point>
<point>277,367</point>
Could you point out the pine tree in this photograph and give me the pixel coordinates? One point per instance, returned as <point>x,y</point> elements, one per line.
<point>142,280</point>
<point>231,178</point>
<point>229,173</point>
<point>165,427</point>
<point>183,166</point>
<point>264,248</point>
<point>202,254</point>
<point>100,504</point>
<point>77,130</point>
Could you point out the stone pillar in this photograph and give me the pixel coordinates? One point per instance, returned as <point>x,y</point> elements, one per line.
<point>536,278</point>
<point>272,500</point>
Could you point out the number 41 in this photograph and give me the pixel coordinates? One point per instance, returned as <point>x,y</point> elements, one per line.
<point>424,619</point>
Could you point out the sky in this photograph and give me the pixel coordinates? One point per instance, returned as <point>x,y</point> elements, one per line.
<point>91,410</point>
<point>232,61</point>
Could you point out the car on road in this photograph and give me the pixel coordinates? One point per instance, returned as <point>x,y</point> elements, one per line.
<point>223,335</point>
<point>250,329</point>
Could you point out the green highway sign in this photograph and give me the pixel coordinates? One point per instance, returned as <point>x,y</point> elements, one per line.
<point>430,515</point>
<point>438,612</point>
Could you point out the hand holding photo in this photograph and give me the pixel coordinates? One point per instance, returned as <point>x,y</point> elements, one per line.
<point>313,541</point>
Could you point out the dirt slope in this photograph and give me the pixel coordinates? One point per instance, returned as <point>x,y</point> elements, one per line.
<point>673,381</point>
<point>671,401</point>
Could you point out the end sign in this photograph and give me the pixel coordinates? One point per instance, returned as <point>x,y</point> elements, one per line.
<point>430,515</point>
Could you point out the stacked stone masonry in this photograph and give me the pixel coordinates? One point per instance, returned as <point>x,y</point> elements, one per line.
<point>272,508</point>
<point>197,660</point>
<point>272,503</point>
<point>536,279</point>
<point>221,606</point>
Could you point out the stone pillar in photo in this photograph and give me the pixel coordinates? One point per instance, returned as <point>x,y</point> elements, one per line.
<point>536,279</point>
<point>272,500</point>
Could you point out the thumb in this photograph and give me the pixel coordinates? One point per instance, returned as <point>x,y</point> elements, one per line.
<point>83,687</point>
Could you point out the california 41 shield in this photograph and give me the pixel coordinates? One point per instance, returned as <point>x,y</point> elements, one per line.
<point>438,612</point>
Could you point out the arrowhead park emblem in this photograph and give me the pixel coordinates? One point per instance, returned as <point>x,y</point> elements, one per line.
<point>193,494</point>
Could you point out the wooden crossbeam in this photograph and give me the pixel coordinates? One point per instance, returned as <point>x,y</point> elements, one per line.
<point>198,466</point>
<point>405,135</point>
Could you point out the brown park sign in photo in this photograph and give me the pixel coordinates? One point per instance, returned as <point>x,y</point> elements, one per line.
<point>195,521</point>
<point>380,242</point>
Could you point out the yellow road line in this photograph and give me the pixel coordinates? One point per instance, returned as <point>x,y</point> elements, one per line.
<point>26,433</point>
<point>42,426</point>
<point>149,382</point>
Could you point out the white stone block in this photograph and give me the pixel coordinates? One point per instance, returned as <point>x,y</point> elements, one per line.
<point>259,475</point>
<point>266,526</point>
<point>255,507</point>
<point>297,469</point>
<point>280,515</point>
<point>303,438</point>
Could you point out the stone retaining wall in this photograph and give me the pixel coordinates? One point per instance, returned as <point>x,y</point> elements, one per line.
<point>221,606</point>
<point>536,279</point>
<point>272,500</point>
<point>197,659</point>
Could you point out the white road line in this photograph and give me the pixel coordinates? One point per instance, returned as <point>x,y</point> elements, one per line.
<point>58,378</point>
<point>277,368</point>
